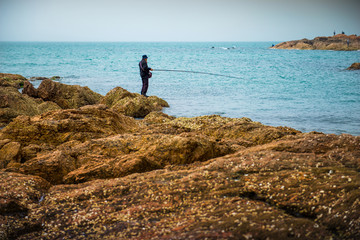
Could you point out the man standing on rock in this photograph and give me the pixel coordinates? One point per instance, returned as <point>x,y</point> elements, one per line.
<point>145,74</point>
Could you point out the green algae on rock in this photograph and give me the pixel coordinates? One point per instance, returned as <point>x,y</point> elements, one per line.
<point>13,104</point>
<point>66,96</point>
<point>132,104</point>
<point>12,80</point>
<point>57,127</point>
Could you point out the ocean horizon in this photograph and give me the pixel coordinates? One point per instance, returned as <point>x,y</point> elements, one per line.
<point>308,90</point>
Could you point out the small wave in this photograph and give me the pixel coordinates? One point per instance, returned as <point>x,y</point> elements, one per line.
<point>72,77</point>
<point>228,48</point>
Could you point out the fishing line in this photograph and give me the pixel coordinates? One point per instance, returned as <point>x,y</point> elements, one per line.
<point>185,71</point>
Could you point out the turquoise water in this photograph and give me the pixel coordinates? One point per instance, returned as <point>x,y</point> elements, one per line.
<point>306,90</point>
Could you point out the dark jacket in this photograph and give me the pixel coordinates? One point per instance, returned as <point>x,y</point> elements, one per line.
<point>144,69</point>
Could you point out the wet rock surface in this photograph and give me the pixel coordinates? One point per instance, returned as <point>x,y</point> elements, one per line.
<point>339,42</point>
<point>92,172</point>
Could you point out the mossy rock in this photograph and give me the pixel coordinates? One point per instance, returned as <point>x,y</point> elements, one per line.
<point>132,104</point>
<point>12,80</point>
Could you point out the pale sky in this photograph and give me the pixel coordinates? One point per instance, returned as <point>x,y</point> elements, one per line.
<point>180,20</point>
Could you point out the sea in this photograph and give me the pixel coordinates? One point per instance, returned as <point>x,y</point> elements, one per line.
<point>309,90</point>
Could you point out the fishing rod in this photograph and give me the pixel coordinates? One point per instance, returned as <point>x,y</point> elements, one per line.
<point>185,71</point>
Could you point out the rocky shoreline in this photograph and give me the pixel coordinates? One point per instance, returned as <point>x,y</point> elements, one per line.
<point>78,165</point>
<point>339,42</point>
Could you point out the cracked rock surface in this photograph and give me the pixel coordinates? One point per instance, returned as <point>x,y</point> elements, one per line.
<point>92,173</point>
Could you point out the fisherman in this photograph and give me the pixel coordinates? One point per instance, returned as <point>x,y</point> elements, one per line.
<point>145,74</point>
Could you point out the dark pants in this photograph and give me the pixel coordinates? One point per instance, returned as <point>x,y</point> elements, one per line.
<point>145,85</point>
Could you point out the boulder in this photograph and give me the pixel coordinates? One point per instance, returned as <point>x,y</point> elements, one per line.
<point>57,127</point>
<point>158,117</point>
<point>12,80</point>
<point>10,152</point>
<point>66,96</point>
<point>29,89</point>
<point>13,104</point>
<point>50,166</point>
<point>354,66</point>
<point>132,104</point>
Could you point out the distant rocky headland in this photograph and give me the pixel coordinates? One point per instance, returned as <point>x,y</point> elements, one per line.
<point>339,42</point>
<point>78,165</point>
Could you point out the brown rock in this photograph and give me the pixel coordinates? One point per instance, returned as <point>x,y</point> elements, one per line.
<point>227,197</point>
<point>174,178</point>
<point>100,167</point>
<point>243,130</point>
<point>12,80</point>
<point>29,90</point>
<point>19,194</point>
<point>158,117</point>
<point>30,151</point>
<point>354,66</point>
<point>121,155</point>
<point>302,185</point>
<point>51,166</point>
<point>10,152</point>
<point>13,104</point>
<point>132,104</point>
<point>340,42</point>
<point>67,96</point>
<point>61,126</point>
